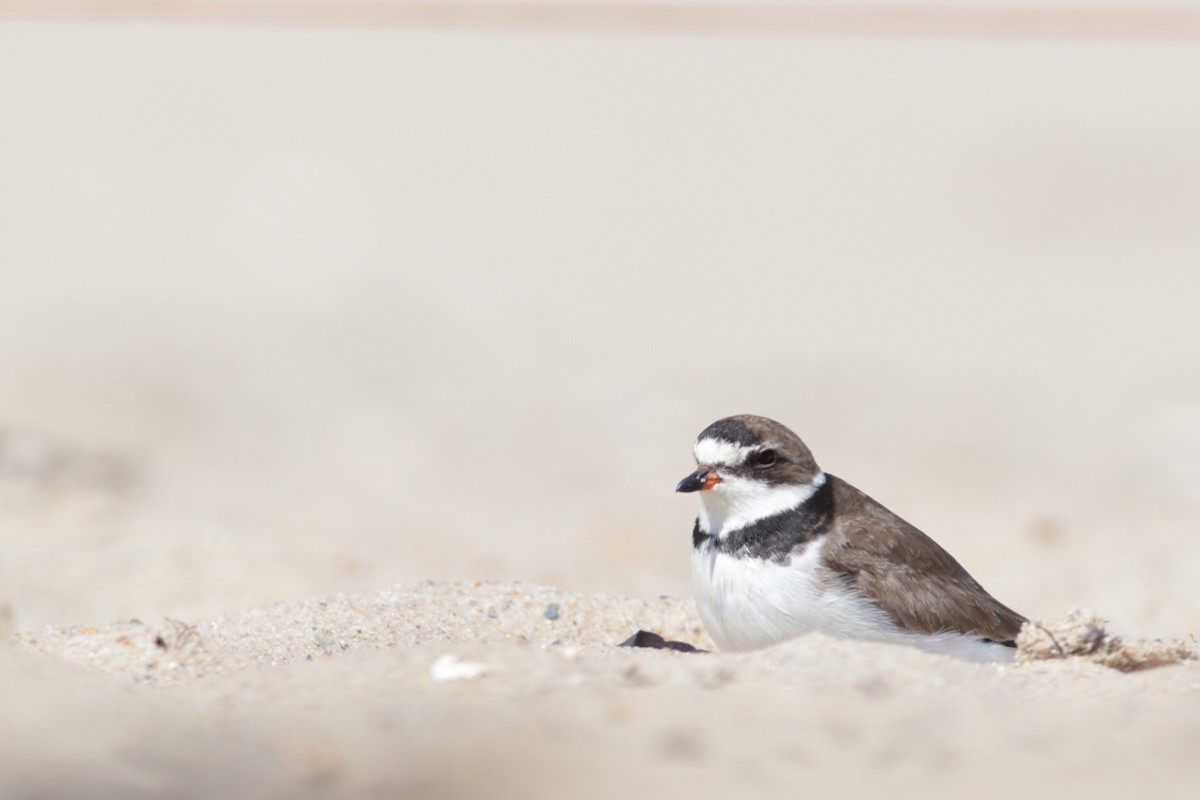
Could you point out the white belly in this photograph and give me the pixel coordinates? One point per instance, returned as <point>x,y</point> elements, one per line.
<point>747,603</point>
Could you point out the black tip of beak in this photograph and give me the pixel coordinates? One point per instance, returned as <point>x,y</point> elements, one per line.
<point>695,481</point>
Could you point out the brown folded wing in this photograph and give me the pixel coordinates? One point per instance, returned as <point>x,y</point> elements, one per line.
<point>918,584</point>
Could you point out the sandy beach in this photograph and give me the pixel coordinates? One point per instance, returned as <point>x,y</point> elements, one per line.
<point>467,690</point>
<point>346,373</point>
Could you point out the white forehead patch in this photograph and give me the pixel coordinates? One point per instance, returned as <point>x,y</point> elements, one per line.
<point>719,451</point>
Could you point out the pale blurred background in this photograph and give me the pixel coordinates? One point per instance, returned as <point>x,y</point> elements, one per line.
<point>293,305</point>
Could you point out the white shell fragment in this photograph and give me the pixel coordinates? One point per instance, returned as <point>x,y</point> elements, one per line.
<point>448,668</point>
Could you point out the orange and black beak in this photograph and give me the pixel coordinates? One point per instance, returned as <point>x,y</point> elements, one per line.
<point>705,477</point>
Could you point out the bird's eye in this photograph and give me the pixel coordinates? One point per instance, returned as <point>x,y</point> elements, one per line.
<point>764,459</point>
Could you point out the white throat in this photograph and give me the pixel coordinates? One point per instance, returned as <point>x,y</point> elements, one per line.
<point>736,502</point>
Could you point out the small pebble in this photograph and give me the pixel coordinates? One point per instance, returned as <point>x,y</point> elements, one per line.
<point>552,611</point>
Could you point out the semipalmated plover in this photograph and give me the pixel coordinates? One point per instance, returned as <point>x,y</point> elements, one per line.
<point>781,548</point>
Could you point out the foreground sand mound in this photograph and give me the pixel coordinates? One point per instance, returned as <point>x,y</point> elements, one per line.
<point>1083,634</point>
<point>427,614</point>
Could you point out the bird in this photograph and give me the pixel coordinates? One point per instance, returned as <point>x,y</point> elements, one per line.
<point>781,548</point>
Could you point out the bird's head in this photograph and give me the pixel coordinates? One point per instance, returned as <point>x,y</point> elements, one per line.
<point>749,468</point>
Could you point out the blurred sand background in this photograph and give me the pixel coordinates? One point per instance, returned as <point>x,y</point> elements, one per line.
<point>294,310</point>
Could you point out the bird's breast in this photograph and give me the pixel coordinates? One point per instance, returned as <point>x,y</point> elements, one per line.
<point>748,602</point>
